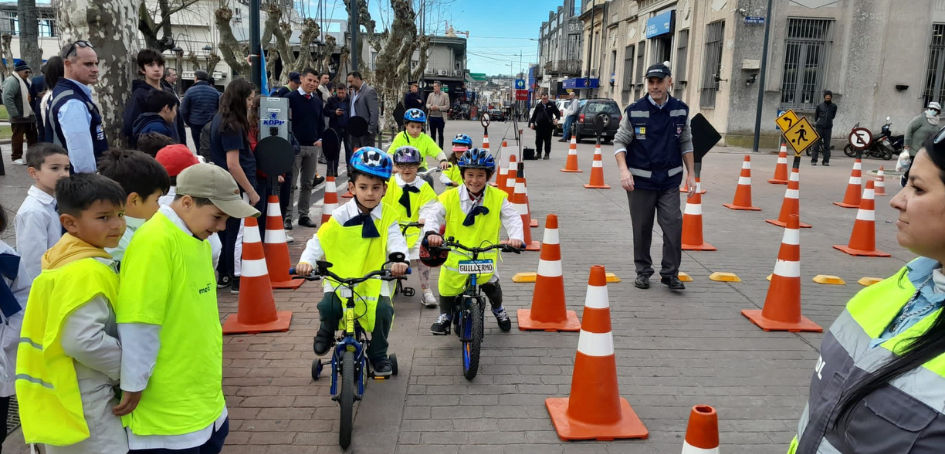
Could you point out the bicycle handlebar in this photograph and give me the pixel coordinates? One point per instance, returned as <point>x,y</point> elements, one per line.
<point>451,242</point>
<point>321,272</point>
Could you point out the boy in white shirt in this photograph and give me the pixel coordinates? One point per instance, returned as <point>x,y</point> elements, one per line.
<point>37,221</point>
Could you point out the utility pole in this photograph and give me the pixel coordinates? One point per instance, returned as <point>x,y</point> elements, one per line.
<point>590,48</point>
<point>761,79</point>
<point>353,31</point>
<point>255,50</point>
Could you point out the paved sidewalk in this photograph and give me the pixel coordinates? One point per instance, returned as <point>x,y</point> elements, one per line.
<point>674,350</point>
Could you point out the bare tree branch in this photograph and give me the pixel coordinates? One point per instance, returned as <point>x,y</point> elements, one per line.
<point>233,52</point>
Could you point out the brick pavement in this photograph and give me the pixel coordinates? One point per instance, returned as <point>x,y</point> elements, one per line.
<point>673,350</point>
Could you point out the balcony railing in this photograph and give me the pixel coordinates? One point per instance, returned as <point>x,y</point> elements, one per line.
<point>563,67</point>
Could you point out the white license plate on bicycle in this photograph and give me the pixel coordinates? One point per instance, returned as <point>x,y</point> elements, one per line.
<point>343,292</point>
<point>476,267</point>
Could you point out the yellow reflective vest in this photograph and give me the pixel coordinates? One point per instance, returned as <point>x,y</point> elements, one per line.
<point>353,256</point>
<point>454,174</point>
<point>417,201</point>
<point>484,231</point>
<point>167,279</point>
<point>50,403</point>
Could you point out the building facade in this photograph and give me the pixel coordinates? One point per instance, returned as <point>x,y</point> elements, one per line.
<point>560,49</point>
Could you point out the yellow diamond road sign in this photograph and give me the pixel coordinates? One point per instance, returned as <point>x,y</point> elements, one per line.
<point>801,136</point>
<point>787,120</point>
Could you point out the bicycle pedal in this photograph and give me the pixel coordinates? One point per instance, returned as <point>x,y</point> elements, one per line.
<point>408,291</point>
<point>377,378</point>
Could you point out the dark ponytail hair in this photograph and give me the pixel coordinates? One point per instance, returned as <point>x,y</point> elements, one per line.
<point>921,349</point>
<point>233,106</point>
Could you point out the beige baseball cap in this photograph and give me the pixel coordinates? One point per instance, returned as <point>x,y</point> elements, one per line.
<point>209,181</point>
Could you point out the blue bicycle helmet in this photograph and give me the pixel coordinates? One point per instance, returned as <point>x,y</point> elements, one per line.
<point>415,116</point>
<point>407,155</point>
<point>372,161</point>
<point>476,158</point>
<point>462,139</point>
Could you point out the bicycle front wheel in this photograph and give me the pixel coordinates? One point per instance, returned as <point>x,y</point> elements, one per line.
<point>472,338</point>
<point>346,399</point>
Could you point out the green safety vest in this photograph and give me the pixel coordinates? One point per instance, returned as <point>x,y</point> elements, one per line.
<point>167,279</point>
<point>417,201</point>
<point>484,231</point>
<point>50,403</point>
<point>352,256</point>
<point>904,416</point>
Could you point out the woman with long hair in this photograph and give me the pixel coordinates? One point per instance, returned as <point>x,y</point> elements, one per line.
<point>879,385</point>
<point>229,148</point>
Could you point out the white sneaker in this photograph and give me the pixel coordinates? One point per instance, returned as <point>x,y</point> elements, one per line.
<point>289,239</point>
<point>19,162</point>
<point>428,299</point>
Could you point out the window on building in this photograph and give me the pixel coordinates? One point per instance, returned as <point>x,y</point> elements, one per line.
<point>47,28</point>
<point>935,74</point>
<point>14,25</point>
<point>679,72</point>
<point>711,73</point>
<point>628,56</point>
<point>638,76</point>
<point>613,68</point>
<point>805,57</point>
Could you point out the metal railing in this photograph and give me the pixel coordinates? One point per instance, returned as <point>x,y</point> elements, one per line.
<point>714,36</point>
<point>935,73</point>
<point>627,88</point>
<point>806,53</point>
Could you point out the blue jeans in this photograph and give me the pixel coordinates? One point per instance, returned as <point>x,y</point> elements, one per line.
<point>568,121</point>
<point>213,446</point>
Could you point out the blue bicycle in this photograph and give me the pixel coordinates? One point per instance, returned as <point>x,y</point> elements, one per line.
<point>468,314</point>
<point>349,358</point>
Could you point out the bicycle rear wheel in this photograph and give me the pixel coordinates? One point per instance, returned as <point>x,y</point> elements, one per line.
<point>472,338</point>
<point>346,399</point>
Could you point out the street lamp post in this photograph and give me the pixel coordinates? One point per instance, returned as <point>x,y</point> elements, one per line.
<point>207,49</point>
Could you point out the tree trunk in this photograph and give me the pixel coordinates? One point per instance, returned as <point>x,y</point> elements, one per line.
<point>7,53</point>
<point>111,27</point>
<point>393,61</point>
<point>29,34</point>
<point>234,53</point>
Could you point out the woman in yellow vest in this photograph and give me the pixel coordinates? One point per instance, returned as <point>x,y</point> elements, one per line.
<point>69,357</point>
<point>879,385</point>
<point>473,214</point>
<point>408,196</point>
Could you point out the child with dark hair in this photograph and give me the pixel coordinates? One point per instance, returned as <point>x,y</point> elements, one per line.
<point>69,338</point>
<point>37,221</point>
<point>176,159</point>
<point>151,142</point>
<point>144,181</point>
<point>151,69</point>
<point>160,112</point>
<point>15,281</point>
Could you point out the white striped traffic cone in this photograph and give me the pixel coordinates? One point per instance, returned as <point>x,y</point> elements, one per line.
<point>521,204</point>
<point>743,191</point>
<point>781,170</point>
<point>597,172</point>
<point>331,199</point>
<point>276,248</point>
<point>880,186</point>
<point>863,238</point>
<point>511,178</point>
<point>852,197</point>
<point>548,311</point>
<point>571,165</point>
<point>702,433</point>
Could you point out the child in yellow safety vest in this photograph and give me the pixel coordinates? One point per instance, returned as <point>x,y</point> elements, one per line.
<point>15,281</point>
<point>413,136</point>
<point>144,181</point>
<point>357,240</point>
<point>172,341</point>
<point>69,356</point>
<point>452,176</point>
<point>473,214</point>
<point>409,195</point>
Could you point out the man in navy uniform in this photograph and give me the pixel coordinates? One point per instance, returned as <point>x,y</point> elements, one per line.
<point>652,145</point>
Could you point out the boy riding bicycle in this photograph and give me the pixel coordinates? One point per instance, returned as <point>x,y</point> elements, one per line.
<point>357,240</point>
<point>472,214</point>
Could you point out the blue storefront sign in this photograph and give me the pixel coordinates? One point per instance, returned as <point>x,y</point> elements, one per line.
<point>580,83</point>
<point>661,24</point>
<point>752,20</point>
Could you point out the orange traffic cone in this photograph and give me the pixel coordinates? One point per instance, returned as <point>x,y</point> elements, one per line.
<point>782,310</point>
<point>485,142</point>
<point>781,170</point>
<point>257,309</point>
<point>331,199</point>
<point>595,410</point>
<point>880,182</point>
<point>571,165</point>
<point>597,172</point>
<point>792,202</point>
<point>534,221</point>
<point>521,204</point>
<point>852,198</point>
<point>276,248</point>
<point>699,189</point>
<point>502,176</point>
<point>692,226</point>
<point>743,191</point>
<point>702,433</point>
<point>511,177</point>
<point>549,310</point>
<point>863,239</point>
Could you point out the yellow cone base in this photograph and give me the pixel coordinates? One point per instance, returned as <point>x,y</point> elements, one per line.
<point>684,277</point>
<point>724,277</point>
<point>769,277</point>
<point>828,280</point>
<point>860,253</point>
<point>629,425</point>
<point>282,322</point>
<point>529,278</point>
<point>526,323</point>
<point>868,281</point>
<point>773,325</point>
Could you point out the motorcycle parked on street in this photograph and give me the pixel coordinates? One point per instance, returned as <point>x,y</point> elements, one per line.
<point>884,145</point>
